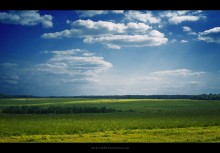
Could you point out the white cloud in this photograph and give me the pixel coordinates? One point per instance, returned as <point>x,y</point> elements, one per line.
<point>213,30</point>
<point>150,77</point>
<point>118,11</point>
<point>26,18</point>
<point>178,73</point>
<point>177,17</point>
<point>211,35</point>
<point>193,33</point>
<point>59,35</point>
<point>84,28</point>
<point>188,30</point>
<point>169,81</point>
<point>91,13</point>
<point>146,17</point>
<point>74,62</point>
<point>100,25</point>
<point>112,35</point>
<point>154,38</point>
<point>112,46</point>
<point>197,12</point>
<point>176,81</point>
<point>137,27</point>
<point>66,52</point>
<point>184,41</point>
<point>88,54</point>
<point>80,80</point>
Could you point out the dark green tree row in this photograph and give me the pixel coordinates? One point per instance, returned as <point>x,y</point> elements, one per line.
<point>55,110</point>
<point>199,97</point>
<point>207,97</point>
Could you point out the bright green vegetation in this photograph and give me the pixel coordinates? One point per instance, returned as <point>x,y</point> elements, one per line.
<point>152,121</point>
<point>190,134</point>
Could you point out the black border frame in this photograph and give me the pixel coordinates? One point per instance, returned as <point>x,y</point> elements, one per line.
<point>109,5</point>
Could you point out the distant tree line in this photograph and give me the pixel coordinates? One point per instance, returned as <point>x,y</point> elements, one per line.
<point>198,97</point>
<point>207,97</point>
<point>55,110</point>
<point>5,96</point>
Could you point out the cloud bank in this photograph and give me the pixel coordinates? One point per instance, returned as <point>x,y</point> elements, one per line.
<point>112,35</point>
<point>26,18</point>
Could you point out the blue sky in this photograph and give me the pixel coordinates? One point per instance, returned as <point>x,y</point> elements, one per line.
<point>110,52</point>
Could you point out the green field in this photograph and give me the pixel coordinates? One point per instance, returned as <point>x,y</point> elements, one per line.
<point>151,120</point>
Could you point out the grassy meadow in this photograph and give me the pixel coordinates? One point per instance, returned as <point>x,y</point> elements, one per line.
<point>141,120</point>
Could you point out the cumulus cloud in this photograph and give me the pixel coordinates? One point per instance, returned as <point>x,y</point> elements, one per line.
<point>184,41</point>
<point>65,72</point>
<point>85,28</point>
<point>137,27</point>
<point>112,35</point>
<point>177,17</point>
<point>145,17</point>
<point>26,18</point>
<point>188,30</point>
<point>102,25</point>
<point>59,35</point>
<point>210,36</point>
<point>74,62</point>
<point>180,19</point>
<point>112,46</point>
<point>91,13</point>
<point>118,11</point>
<point>66,52</point>
<point>154,38</point>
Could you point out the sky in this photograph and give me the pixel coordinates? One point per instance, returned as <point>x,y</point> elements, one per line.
<point>109,52</point>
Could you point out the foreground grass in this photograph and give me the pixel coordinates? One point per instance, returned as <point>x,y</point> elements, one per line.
<point>17,125</point>
<point>182,135</point>
<point>110,127</point>
<point>151,121</point>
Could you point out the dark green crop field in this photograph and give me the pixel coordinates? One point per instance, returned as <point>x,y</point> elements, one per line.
<point>139,120</point>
